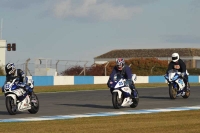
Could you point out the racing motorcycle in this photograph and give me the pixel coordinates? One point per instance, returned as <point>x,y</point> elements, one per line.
<point>17,99</point>
<point>121,95</point>
<point>176,84</point>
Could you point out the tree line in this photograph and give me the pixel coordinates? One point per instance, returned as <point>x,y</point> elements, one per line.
<point>139,66</point>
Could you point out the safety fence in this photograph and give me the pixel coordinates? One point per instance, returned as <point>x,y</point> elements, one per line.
<point>77,80</point>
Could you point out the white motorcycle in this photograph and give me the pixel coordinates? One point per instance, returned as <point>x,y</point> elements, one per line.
<point>176,85</point>
<point>17,99</point>
<point>121,95</point>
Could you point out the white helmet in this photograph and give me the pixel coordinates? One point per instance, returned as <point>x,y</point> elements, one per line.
<point>175,57</point>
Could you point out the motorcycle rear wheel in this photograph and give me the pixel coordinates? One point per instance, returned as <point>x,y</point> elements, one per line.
<point>172,91</point>
<point>34,105</point>
<point>135,100</point>
<point>116,101</point>
<point>11,108</point>
<point>187,93</point>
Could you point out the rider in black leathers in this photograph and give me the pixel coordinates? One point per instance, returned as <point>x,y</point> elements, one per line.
<point>178,64</point>
<point>125,71</point>
<point>12,72</point>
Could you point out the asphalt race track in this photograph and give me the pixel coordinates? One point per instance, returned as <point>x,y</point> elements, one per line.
<point>82,102</point>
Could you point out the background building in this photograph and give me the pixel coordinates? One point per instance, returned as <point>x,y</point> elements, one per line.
<point>191,56</point>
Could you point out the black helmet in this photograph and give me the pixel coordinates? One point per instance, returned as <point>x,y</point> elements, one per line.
<point>10,68</point>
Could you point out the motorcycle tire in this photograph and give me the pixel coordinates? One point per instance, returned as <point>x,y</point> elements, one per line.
<point>116,101</point>
<point>34,105</point>
<point>172,92</point>
<point>187,93</point>
<point>11,108</point>
<point>135,100</point>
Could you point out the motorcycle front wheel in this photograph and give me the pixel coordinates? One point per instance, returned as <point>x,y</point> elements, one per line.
<point>10,106</point>
<point>116,101</point>
<point>172,91</point>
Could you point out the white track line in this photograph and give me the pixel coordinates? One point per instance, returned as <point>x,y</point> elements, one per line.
<point>61,117</point>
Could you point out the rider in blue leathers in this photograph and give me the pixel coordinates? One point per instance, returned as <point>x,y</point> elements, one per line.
<point>123,69</point>
<point>12,72</point>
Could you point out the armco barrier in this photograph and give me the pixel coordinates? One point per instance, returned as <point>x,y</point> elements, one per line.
<point>194,79</point>
<point>156,79</point>
<point>63,80</point>
<point>2,80</point>
<point>75,80</point>
<point>43,80</point>
<point>101,79</point>
<point>83,80</point>
<point>142,79</point>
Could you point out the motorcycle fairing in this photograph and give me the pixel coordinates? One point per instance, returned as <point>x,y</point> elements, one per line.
<point>120,83</point>
<point>127,101</point>
<point>180,83</point>
<point>24,104</point>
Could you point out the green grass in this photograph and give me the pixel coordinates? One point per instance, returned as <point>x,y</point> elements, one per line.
<point>169,122</point>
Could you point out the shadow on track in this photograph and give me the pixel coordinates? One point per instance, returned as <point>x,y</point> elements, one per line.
<point>89,105</point>
<point>6,113</point>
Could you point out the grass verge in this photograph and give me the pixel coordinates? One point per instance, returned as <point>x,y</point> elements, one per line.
<point>170,122</point>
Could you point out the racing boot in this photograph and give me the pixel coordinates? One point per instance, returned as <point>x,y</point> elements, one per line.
<point>30,93</point>
<point>32,97</point>
<point>187,87</point>
<point>133,92</point>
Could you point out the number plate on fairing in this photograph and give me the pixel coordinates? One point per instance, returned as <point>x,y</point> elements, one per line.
<point>180,83</point>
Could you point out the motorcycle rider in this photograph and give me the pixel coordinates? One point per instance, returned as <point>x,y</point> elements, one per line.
<point>125,71</point>
<point>179,65</point>
<point>12,72</point>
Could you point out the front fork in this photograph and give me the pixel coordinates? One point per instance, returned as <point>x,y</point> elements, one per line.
<point>119,93</point>
<point>175,86</point>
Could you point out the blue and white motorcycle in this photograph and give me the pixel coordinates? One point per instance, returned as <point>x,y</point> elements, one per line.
<point>17,99</point>
<point>176,84</point>
<point>121,95</point>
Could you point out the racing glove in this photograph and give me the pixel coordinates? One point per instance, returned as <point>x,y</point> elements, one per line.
<point>182,75</point>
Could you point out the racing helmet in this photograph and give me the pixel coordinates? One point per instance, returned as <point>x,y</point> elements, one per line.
<point>10,68</point>
<point>120,63</point>
<point>175,57</point>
